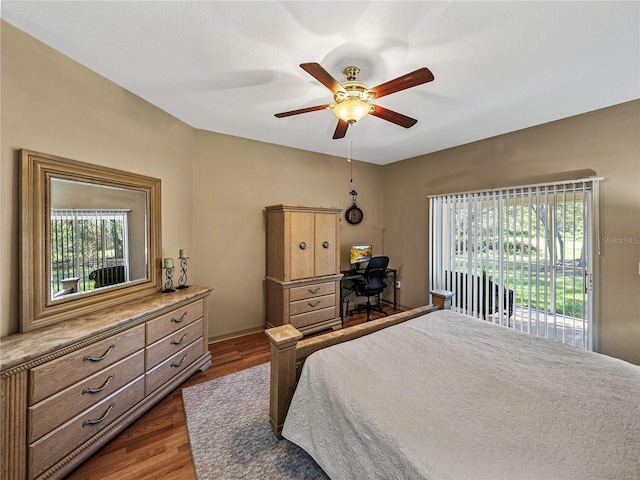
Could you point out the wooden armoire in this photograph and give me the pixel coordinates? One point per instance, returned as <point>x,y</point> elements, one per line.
<point>303,267</point>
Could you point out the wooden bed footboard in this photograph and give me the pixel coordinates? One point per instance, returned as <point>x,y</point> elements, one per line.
<point>289,351</point>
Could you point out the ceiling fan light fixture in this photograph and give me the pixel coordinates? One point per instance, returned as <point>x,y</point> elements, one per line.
<point>351,110</point>
<point>352,97</point>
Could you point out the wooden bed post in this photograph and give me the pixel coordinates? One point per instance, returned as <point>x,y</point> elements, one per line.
<point>284,340</point>
<point>442,298</point>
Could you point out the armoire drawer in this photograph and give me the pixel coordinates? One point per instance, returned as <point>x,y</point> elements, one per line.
<point>48,414</point>
<point>173,365</point>
<point>312,304</point>
<point>167,346</point>
<point>172,321</point>
<point>58,374</point>
<point>305,319</point>
<point>54,446</point>
<point>311,291</point>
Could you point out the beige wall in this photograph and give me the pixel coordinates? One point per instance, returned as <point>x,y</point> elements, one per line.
<point>234,179</point>
<point>603,143</point>
<point>53,105</point>
<point>215,187</point>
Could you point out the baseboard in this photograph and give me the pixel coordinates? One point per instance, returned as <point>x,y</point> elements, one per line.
<point>399,307</point>
<point>229,336</point>
<point>249,331</point>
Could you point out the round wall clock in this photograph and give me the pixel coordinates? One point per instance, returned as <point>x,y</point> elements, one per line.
<point>353,214</point>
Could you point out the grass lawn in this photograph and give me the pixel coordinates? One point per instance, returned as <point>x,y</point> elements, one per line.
<point>528,284</point>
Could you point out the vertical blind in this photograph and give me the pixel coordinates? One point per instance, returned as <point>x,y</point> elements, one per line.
<point>520,257</point>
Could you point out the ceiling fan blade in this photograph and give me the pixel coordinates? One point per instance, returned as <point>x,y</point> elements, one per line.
<point>341,129</point>
<point>303,110</point>
<point>393,117</point>
<point>320,74</point>
<point>420,76</point>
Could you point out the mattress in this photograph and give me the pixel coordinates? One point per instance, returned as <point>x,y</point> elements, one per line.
<point>448,396</point>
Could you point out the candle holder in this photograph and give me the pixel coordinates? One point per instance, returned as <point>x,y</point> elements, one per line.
<point>182,281</point>
<point>169,283</point>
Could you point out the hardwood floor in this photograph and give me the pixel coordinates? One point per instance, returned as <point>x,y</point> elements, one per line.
<point>156,446</point>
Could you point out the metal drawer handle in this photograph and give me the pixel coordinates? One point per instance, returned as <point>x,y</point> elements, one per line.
<point>303,245</point>
<point>314,291</point>
<point>314,304</point>
<point>179,320</point>
<point>89,358</point>
<point>99,389</point>
<point>93,422</point>
<point>176,365</point>
<point>173,342</point>
<point>325,244</point>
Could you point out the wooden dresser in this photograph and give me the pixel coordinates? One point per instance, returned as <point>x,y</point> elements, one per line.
<point>70,387</point>
<point>303,267</point>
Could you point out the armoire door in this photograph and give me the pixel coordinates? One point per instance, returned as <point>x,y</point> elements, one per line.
<point>302,245</point>
<point>325,242</point>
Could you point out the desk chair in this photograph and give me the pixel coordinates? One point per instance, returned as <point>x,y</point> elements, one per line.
<point>372,285</point>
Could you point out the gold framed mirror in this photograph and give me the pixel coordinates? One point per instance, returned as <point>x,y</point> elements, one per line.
<point>91,238</point>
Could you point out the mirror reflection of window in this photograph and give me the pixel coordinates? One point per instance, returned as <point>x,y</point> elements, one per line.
<point>97,236</point>
<point>89,249</point>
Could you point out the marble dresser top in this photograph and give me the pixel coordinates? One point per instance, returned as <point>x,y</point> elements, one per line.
<point>25,347</point>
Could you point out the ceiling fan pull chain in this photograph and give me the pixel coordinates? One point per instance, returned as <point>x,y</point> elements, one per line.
<point>349,159</point>
<point>351,179</point>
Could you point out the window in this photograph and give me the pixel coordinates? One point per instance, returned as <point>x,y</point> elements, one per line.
<point>89,249</point>
<point>519,257</point>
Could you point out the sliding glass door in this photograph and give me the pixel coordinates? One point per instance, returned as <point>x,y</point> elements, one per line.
<point>519,257</point>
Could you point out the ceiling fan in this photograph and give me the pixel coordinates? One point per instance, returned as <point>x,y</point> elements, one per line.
<point>352,97</point>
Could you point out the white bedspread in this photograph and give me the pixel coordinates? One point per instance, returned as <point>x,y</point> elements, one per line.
<point>449,396</point>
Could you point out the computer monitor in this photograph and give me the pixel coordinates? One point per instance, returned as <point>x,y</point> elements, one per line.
<point>360,254</point>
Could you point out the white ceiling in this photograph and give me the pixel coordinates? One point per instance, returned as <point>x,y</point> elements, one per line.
<point>228,67</point>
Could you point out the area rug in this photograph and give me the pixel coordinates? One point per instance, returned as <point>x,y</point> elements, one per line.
<point>230,435</point>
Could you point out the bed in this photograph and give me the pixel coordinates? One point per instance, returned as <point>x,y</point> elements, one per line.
<point>443,395</point>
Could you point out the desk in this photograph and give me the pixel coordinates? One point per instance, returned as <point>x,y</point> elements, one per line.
<point>356,274</point>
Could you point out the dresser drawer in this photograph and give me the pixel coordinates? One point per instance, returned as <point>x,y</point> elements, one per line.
<point>312,304</point>
<point>172,321</point>
<point>310,291</point>
<point>58,374</point>
<point>171,344</point>
<point>54,446</point>
<point>48,414</point>
<point>310,318</point>
<point>173,365</point>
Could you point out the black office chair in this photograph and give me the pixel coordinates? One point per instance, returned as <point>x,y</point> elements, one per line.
<point>372,284</point>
